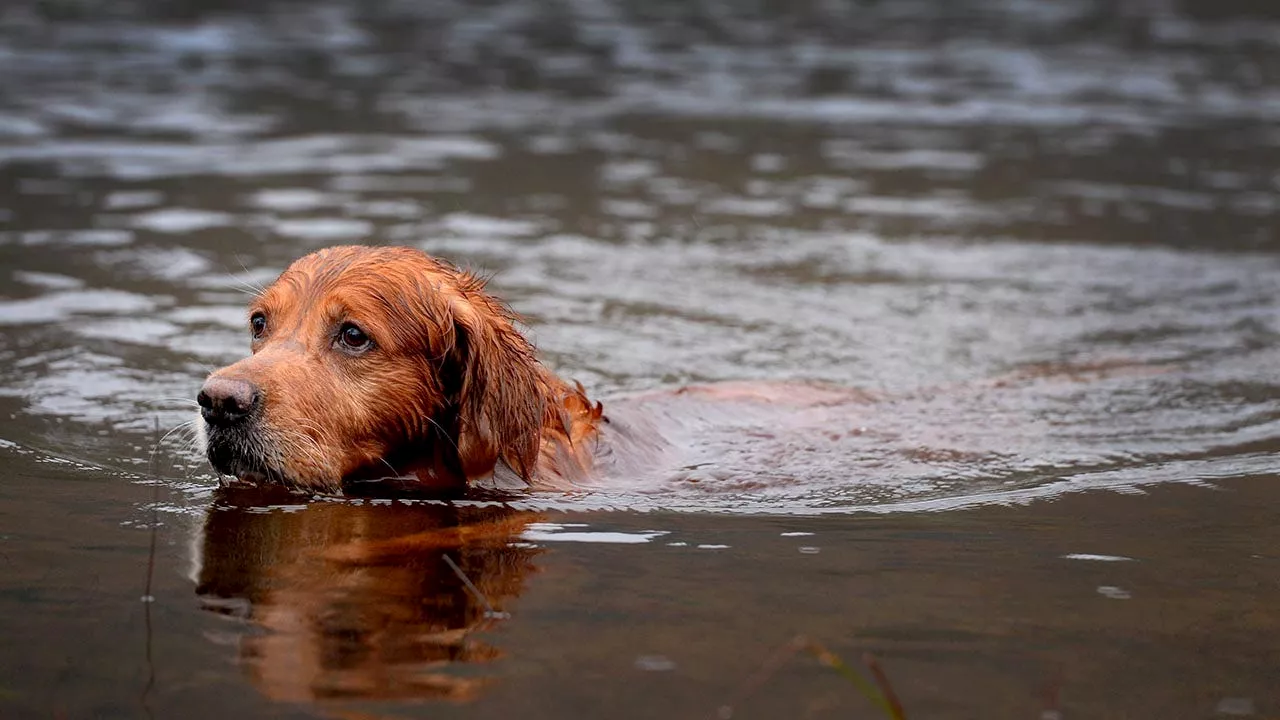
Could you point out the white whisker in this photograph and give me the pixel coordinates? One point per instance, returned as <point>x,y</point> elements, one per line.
<point>444,434</point>
<point>151,458</point>
<point>180,400</point>
<point>394,472</point>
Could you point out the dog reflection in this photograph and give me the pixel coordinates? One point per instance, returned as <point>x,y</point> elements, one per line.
<point>358,602</point>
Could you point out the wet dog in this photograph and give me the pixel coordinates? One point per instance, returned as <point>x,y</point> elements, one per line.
<point>382,370</point>
<point>371,363</point>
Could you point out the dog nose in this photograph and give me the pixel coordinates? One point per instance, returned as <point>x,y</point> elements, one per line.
<point>224,401</point>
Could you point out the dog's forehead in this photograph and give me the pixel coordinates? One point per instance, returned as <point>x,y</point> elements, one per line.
<point>402,296</point>
<point>331,265</point>
<point>383,273</point>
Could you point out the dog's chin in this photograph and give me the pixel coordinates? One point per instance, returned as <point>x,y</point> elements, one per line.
<point>234,452</point>
<point>248,454</point>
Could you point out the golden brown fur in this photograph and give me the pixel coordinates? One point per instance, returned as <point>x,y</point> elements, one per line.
<point>447,393</point>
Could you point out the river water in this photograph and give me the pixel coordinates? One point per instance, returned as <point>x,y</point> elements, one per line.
<point>1042,238</point>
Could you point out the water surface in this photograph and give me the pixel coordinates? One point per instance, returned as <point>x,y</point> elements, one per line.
<point>1041,237</point>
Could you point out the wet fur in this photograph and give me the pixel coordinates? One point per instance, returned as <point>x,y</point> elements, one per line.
<point>450,393</point>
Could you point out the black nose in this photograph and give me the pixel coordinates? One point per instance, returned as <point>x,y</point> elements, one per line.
<point>224,401</point>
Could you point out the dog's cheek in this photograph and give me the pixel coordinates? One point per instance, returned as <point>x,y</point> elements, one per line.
<point>310,397</point>
<point>316,474</point>
<point>399,401</point>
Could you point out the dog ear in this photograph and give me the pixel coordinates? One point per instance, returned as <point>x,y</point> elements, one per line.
<point>498,399</point>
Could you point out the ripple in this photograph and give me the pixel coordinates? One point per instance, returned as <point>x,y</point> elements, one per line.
<point>131,199</point>
<point>325,229</point>
<point>293,199</point>
<point>471,224</point>
<point>181,220</point>
<point>98,238</point>
<point>329,154</point>
<point>63,305</point>
<point>140,330</point>
<point>48,281</point>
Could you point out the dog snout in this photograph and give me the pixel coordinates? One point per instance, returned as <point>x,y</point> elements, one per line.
<point>227,401</point>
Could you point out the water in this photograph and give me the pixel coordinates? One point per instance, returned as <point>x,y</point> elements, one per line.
<point>1039,237</point>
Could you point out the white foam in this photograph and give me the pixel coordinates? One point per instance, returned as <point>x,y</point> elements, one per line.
<point>533,533</point>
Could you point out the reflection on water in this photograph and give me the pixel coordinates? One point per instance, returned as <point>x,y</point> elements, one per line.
<point>339,601</point>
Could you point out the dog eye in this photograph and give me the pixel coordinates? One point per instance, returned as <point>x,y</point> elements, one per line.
<point>352,337</point>
<point>258,325</point>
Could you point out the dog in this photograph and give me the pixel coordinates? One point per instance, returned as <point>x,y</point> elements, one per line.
<point>371,363</point>
<point>384,370</point>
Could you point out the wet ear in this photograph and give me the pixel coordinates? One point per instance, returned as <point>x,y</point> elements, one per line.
<point>499,401</point>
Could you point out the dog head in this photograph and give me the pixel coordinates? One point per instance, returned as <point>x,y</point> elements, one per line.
<point>372,362</point>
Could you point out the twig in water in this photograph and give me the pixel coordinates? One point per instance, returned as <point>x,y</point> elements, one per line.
<point>886,689</point>
<point>877,690</point>
<point>1053,695</point>
<point>766,670</point>
<point>489,612</point>
<point>147,598</point>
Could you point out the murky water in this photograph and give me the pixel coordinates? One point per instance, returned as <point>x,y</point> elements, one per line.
<point>1040,236</point>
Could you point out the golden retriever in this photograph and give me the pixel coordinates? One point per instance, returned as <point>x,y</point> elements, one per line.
<point>384,362</point>
<point>385,369</point>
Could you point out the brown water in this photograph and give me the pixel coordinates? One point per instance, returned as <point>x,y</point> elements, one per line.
<point>1042,235</point>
